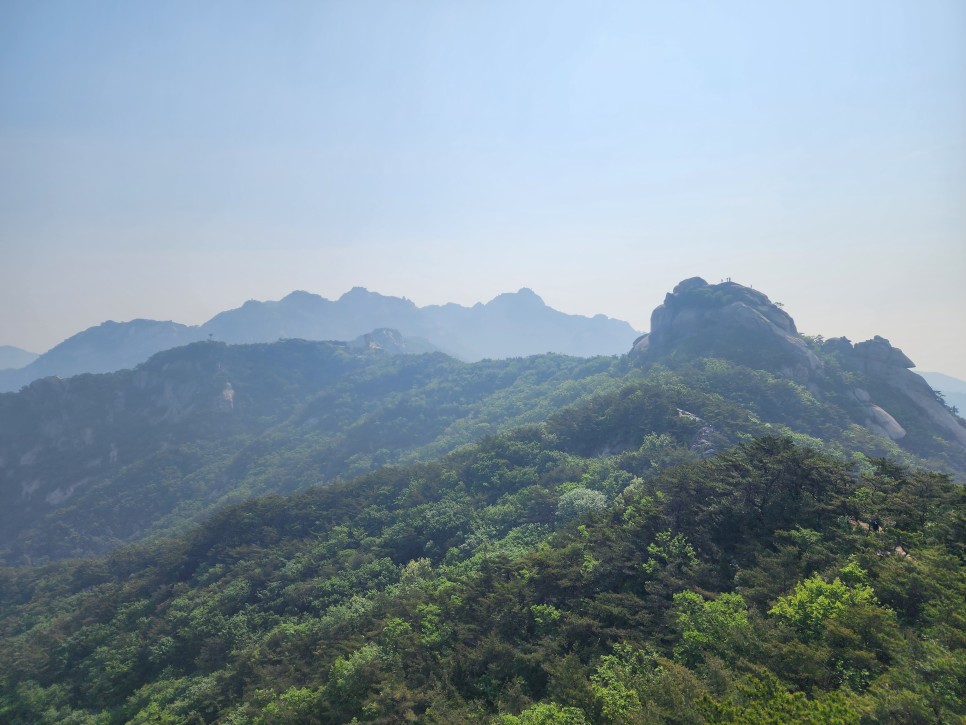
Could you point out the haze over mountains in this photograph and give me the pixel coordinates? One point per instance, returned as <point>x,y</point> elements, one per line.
<point>14,357</point>
<point>510,325</point>
<point>95,461</point>
<point>953,389</point>
<point>116,457</point>
<point>731,522</point>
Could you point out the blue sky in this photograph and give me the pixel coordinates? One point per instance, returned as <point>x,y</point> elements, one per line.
<point>170,160</point>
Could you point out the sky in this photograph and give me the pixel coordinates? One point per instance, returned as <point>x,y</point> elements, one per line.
<point>170,160</point>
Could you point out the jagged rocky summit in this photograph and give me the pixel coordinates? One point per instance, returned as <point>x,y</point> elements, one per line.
<point>734,322</point>
<point>886,368</point>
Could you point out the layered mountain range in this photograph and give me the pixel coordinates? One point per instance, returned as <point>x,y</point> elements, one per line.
<point>730,523</point>
<point>94,461</point>
<point>91,462</point>
<point>510,325</point>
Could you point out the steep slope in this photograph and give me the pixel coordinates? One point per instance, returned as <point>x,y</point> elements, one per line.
<point>511,325</point>
<point>730,321</point>
<point>869,381</point>
<point>522,577</point>
<point>93,461</point>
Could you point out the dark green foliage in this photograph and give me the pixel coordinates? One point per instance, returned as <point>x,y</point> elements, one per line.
<point>161,447</point>
<point>451,592</point>
<point>687,545</point>
<point>98,461</point>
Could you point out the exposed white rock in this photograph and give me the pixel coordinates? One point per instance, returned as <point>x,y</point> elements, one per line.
<point>884,424</point>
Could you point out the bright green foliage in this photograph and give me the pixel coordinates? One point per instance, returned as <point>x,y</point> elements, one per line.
<point>632,686</point>
<point>545,617</point>
<point>853,638</point>
<point>667,552</point>
<point>295,705</point>
<point>706,626</point>
<point>352,677</point>
<point>767,702</point>
<point>447,592</point>
<point>815,600</point>
<point>545,713</point>
<point>619,682</point>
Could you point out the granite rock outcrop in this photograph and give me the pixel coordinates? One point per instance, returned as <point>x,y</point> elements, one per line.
<point>732,321</point>
<point>886,370</point>
<point>738,323</point>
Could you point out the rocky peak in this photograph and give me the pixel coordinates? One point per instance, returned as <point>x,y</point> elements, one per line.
<point>878,352</point>
<point>887,373</point>
<point>732,321</point>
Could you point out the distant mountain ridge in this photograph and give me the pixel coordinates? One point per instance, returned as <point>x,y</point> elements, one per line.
<point>511,325</point>
<point>117,456</point>
<point>952,389</point>
<point>15,357</point>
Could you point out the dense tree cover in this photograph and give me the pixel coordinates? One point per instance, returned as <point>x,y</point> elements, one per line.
<point>100,460</point>
<point>626,541</point>
<point>595,568</point>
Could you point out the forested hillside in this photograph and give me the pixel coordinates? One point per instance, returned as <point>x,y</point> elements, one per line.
<point>526,579</point>
<point>94,461</point>
<point>732,523</point>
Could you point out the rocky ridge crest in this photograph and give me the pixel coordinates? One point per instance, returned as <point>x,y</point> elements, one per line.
<point>738,323</point>
<point>732,321</point>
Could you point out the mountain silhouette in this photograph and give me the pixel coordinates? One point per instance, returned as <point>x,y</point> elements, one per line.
<point>511,325</point>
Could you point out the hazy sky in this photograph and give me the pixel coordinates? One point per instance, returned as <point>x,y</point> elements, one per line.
<point>173,159</point>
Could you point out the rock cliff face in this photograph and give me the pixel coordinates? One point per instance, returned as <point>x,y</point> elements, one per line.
<point>886,368</point>
<point>731,321</point>
<point>737,323</point>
